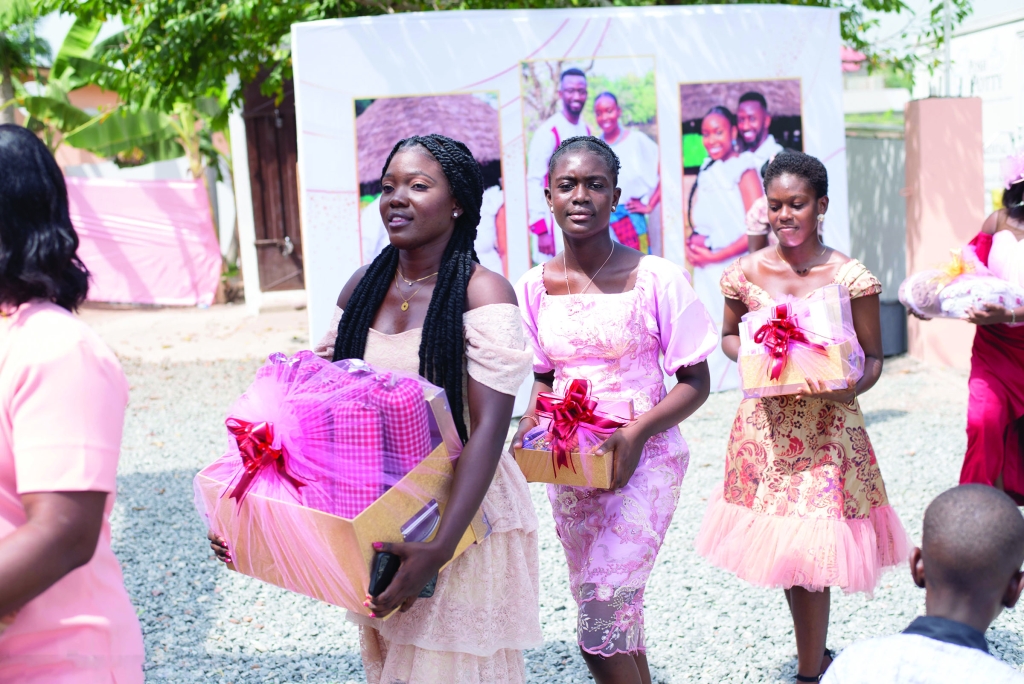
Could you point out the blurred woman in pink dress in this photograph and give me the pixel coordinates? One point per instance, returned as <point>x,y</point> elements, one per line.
<point>67,617</point>
<point>604,312</point>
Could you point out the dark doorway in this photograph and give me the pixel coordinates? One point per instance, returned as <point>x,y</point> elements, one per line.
<point>273,153</point>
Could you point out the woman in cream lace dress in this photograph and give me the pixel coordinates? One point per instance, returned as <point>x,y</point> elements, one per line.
<point>426,306</point>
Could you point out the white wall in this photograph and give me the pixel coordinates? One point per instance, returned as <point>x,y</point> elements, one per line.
<point>988,62</point>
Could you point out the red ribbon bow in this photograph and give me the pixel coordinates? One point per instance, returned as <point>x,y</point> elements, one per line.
<point>569,413</point>
<point>256,445</point>
<point>777,334</point>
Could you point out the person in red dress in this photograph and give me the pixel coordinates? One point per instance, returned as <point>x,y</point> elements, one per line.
<point>995,413</point>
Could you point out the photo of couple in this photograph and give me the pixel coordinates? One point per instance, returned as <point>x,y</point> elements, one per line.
<point>610,98</point>
<point>730,131</point>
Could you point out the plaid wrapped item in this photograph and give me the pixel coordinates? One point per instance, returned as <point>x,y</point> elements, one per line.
<point>406,420</point>
<point>301,493</point>
<point>354,477</point>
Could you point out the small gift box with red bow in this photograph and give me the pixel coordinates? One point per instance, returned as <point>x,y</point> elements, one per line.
<point>324,460</point>
<point>562,449</point>
<point>783,345</point>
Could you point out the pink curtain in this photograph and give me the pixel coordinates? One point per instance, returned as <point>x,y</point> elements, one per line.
<point>146,242</point>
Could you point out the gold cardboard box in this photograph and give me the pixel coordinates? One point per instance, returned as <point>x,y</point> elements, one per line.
<point>348,540</point>
<point>538,466</point>
<point>833,366</point>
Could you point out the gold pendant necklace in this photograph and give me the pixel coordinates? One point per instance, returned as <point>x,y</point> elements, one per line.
<point>406,300</point>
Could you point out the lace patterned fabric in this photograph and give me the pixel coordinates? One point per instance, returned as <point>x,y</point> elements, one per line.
<point>611,538</point>
<point>803,503</point>
<point>485,609</point>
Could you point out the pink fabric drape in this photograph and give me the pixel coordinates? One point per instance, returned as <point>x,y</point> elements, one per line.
<point>146,242</point>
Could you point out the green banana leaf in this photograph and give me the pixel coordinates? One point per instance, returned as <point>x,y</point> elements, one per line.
<point>14,12</point>
<point>55,112</point>
<point>77,44</point>
<point>124,130</point>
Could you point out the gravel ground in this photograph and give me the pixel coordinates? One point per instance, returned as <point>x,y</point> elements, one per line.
<point>205,623</point>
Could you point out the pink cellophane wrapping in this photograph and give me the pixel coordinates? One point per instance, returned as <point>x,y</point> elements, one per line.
<point>328,423</point>
<point>825,319</point>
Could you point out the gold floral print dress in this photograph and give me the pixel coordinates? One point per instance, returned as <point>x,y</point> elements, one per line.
<point>803,502</point>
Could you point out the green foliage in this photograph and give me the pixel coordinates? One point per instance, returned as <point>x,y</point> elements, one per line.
<point>181,50</point>
<point>21,49</point>
<point>637,98</point>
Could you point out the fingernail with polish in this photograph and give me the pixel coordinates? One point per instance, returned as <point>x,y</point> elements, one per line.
<point>378,545</point>
<point>373,615</point>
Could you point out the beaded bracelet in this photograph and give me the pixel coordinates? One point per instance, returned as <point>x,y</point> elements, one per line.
<point>533,418</point>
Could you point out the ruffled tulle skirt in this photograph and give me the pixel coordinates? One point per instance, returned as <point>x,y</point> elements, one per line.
<point>485,609</point>
<point>773,551</point>
<point>803,502</point>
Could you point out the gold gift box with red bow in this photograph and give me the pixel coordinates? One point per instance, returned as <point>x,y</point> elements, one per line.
<point>562,449</point>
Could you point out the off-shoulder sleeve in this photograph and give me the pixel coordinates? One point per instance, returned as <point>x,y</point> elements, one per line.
<point>496,352</point>
<point>859,280</point>
<point>530,291</point>
<point>732,281</point>
<point>684,326</point>
<point>325,347</point>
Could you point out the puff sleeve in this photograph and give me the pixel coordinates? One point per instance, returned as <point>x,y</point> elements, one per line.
<point>684,326</point>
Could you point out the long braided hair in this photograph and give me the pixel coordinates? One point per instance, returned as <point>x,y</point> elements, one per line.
<point>442,347</point>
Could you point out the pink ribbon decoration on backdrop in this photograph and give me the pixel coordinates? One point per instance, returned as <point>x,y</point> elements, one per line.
<point>778,334</point>
<point>569,413</point>
<point>256,445</point>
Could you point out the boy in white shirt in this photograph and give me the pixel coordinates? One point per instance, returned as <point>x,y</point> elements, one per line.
<point>969,565</point>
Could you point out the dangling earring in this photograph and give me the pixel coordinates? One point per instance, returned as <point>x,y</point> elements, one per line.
<point>821,219</point>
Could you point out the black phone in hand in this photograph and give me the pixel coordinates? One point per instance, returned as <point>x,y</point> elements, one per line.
<point>383,570</point>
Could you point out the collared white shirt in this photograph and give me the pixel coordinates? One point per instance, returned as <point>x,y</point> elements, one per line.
<point>932,650</point>
<point>766,150</point>
<point>546,139</point>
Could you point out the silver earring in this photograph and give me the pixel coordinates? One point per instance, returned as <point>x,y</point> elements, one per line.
<point>455,214</point>
<point>821,217</point>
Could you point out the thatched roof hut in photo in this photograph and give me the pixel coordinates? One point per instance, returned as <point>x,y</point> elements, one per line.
<point>783,96</point>
<point>388,120</point>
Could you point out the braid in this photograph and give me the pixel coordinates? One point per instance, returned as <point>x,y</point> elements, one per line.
<point>590,144</point>
<point>442,346</point>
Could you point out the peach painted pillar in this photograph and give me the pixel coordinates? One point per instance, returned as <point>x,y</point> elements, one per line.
<point>945,208</point>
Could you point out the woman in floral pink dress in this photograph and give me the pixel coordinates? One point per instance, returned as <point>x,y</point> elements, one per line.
<point>803,506</point>
<point>606,313</point>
